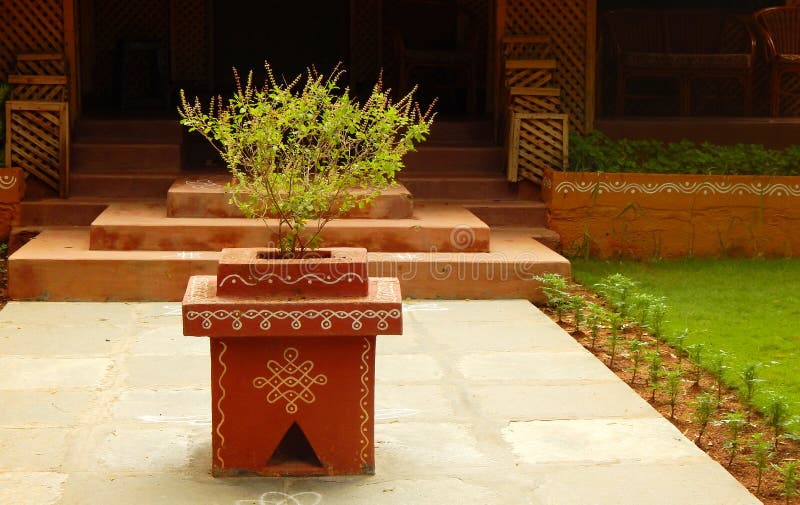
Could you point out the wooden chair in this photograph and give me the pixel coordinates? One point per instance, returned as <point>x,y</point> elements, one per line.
<point>780,28</point>
<point>682,46</point>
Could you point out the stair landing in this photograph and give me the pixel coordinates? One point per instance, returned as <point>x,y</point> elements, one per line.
<point>133,226</point>
<point>58,265</point>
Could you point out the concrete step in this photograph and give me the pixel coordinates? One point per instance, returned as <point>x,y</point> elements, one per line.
<point>522,213</point>
<point>205,196</point>
<point>147,227</point>
<point>120,185</point>
<point>110,157</point>
<point>59,266</point>
<point>139,131</point>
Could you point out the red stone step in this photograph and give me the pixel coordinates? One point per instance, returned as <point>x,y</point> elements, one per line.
<point>433,186</point>
<point>523,213</point>
<point>205,196</point>
<point>72,211</point>
<point>163,131</point>
<point>120,185</point>
<point>95,156</point>
<point>461,132</point>
<point>147,227</point>
<point>432,158</point>
<point>58,266</point>
<point>545,236</point>
<point>61,212</point>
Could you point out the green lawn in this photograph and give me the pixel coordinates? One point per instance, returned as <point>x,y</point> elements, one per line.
<point>748,308</point>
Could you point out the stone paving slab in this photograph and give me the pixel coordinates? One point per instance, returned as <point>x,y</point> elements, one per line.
<point>478,402</point>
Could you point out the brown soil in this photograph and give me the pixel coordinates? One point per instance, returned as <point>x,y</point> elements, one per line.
<point>714,437</point>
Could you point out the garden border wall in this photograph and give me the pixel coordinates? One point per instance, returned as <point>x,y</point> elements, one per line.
<point>642,216</point>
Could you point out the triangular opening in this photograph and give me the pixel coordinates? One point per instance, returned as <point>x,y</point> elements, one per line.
<point>294,449</point>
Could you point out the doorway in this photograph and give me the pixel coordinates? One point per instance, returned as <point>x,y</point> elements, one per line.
<point>291,36</point>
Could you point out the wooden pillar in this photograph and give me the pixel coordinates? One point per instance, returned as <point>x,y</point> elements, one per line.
<point>71,55</point>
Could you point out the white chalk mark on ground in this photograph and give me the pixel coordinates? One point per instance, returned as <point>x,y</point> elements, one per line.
<point>278,498</point>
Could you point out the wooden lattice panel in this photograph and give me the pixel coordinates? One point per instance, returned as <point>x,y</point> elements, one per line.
<point>535,100</point>
<point>39,87</point>
<point>41,64</point>
<point>37,139</point>
<point>526,47</point>
<point>537,142</point>
<point>528,73</point>
<point>189,40</point>
<point>790,104</point>
<point>29,26</point>
<point>570,24</point>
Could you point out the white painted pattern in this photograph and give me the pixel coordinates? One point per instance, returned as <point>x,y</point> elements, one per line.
<point>280,498</point>
<point>7,181</point>
<point>386,291</point>
<point>218,429</point>
<point>325,316</point>
<point>289,281</point>
<point>363,402</point>
<point>684,188</point>
<point>290,381</point>
<point>202,183</point>
<point>199,289</point>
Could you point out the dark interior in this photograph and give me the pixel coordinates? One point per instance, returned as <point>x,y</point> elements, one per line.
<point>289,35</point>
<point>710,98</point>
<point>135,55</point>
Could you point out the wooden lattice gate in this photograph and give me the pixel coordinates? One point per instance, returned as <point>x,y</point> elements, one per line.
<point>36,53</point>
<point>571,27</point>
<point>37,140</point>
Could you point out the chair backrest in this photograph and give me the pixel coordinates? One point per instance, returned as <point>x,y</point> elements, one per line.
<point>781,28</point>
<point>636,30</point>
<point>705,31</point>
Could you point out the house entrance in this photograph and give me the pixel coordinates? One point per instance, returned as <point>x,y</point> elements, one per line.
<point>135,55</point>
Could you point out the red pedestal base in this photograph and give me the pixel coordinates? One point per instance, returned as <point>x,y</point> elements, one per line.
<point>293,406</point>
<point>292,363</point>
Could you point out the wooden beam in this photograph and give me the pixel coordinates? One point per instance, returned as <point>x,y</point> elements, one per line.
<point>591,64</point>
<point>71,55</point>
<point>54,80</point>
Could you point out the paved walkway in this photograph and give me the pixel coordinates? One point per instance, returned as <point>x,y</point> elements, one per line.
<point>484,402</point>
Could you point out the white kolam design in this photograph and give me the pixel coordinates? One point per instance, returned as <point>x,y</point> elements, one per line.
<point>683,188</point>
<point>288,280</point>
<point>202,183</point>
<point>290,381</point>
<point>297,317</point>
<point>363,403</point>
<point>219,404</point>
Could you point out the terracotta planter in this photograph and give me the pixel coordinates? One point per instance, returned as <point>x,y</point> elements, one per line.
<point>12,190</point>
<point>292,360</point>
<point>672,215</point>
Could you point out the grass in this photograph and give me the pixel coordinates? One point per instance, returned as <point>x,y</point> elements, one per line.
<point>749,308</point>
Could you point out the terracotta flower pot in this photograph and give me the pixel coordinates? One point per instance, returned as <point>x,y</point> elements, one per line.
<point>292,360</point>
